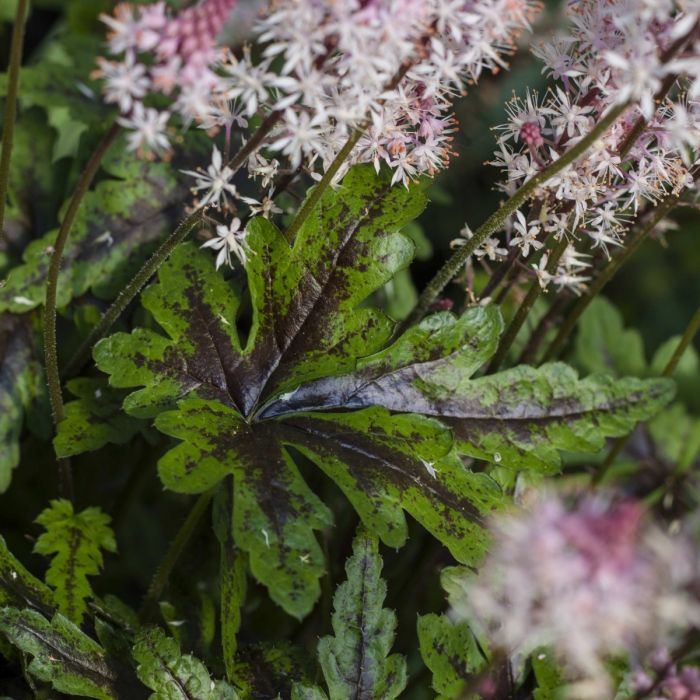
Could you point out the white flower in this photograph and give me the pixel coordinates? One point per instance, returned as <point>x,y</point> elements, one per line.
<point>527,234</point>
<point>303,137</point>
<point>265,208</point>
<point>125,82</point>
<point>148,129</point>
<point>216,181</point>
<point>229,240</point>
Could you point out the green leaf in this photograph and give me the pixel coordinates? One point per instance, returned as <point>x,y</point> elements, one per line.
<point>356,661</point>
<point>232,578</point>
<point>307,692</point>
<point>549,677</point>
<point>19,588</point>
<point>21,383</point>
<point>64,656</point>
<point>59,83</point>
<point>75,542</point>
<point>604,345</point>
<point>677,436</point>
<point>450,650</point>
<point>173,676</point>
<point>33,188</point>
<point>117,223</point>
<point>95,419</point>
<point>312,373</point>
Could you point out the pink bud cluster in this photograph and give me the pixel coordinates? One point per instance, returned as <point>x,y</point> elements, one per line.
<point>591,580</point>
<point>155,52</point>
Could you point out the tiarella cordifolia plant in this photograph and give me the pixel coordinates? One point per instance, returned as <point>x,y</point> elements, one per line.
<point>209,448</point>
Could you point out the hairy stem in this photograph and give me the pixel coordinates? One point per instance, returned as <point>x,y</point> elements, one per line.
<point>691,331</point>
<point>177,547</point>
<point>318,191</point>
<point>497,219</point>
<point>8,122</point>
<point>521,314</point>
<point>50,345</point>
<point>632,245</point>
<point>131,290</point>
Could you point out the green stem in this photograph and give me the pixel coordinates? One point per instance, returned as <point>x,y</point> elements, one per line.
<point>177,547</point>
<point>8,122</point>
<point>690,332</point>
<point>50,345</point>
<point>632,245</point>
<point>312,200</point>
<point>318,191</point>
<point>521,314</point>
<point>127,294</point>
<point>495,222</point>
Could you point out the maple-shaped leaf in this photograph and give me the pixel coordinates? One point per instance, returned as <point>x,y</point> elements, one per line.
<point>63,655</point>
<point>313,373</point>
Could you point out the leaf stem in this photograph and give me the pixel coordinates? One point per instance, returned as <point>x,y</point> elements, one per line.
<point>531,297</point>
<point>127,294</point>
<point>497,219</point>
<point>632,245</point>
<point>8,122</point>
<point>177,547</point>
<point>50,344</point>
<point>312,200</point>
<point>690,332</point>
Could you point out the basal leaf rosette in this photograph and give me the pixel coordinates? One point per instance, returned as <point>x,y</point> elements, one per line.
<point>390,423</point>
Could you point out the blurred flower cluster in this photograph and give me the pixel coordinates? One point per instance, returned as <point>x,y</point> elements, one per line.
<point>623,52</point>
<point>590,579</point>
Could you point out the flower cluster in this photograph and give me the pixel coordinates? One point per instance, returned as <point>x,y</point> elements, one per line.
<point>620,52</point>
<point>591,581</point>
<point>156,53</point>
<point>325,66</point>
<point>344,60</point>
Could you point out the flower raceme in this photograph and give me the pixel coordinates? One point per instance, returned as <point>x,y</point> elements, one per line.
<point>592,580</point>
<point>325,66</point>
<point>636,52</point>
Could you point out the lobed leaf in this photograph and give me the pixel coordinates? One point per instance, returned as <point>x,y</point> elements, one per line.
<point>94,419</point>
<point>355,661</point>
<point>173,676</point>
<point>64,656</point>
<point>117,222</point>
<point>74,541</point>
<point>451,652</point>
<point>315,373</point>
<point>21,383</point>
<point>19,588</point>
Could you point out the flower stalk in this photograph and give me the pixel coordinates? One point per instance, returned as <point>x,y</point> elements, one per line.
<point>455,263</point>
